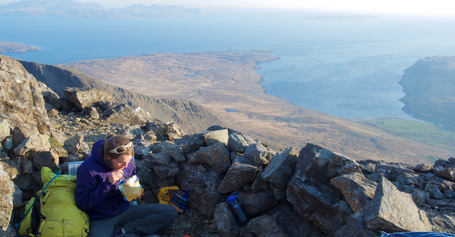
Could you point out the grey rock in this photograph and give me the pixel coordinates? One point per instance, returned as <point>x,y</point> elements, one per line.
<point>237,142</point>
<point>6,202</point>
<point>83,97</point>
<point>423,168</point>
<point>394,211</point>
<point>355,227</point>
<point>254,203</point>
<point>280,170</point>
<point>46,159</point>
<point>26,166</point>
<point>242,171</point>
<point>21,99</point>
<point>216,155</point>
<point>73,144</point>
<point>292,223</point>
<point>444,223</point>
<point>11,168</point>
<point>357,190</point>
<point>5,129</point>
<point>392,170</point>
<point>225,221</point>
<point>25,182</point>
<point>17,197</point>
<point>258,153</point>
<point>441,162</point>
<point>265,226</point>
<point>7,144</point>
<point>410,178</point>
<point>445,172</point>
<point>33,144</point>
<point>164,171</point>
<point>310,191</point>
<point>162,158</point>
<point>169,131</point>
<point>202,188</point>
<point>60,151</point>
<point>217,136</point>
<point>194,143</point>
<point>259,183</point>
<point>434,189</point>
<point>23,131</point>
<point>59,136</point>
<point>165,146</point>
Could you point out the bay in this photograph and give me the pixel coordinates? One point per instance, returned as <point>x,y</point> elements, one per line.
<point>347,68</point>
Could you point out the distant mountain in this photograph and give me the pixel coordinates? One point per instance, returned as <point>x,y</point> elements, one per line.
<point>159,11</point>
<point>74,9</point>
<point>429,85</point>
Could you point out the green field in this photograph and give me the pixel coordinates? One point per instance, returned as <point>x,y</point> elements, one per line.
<point>418,131</point>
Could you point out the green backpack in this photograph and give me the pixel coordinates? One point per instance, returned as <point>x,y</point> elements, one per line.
<point>54,212</point>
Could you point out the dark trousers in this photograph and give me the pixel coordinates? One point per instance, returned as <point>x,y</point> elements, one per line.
<point>137,220</point>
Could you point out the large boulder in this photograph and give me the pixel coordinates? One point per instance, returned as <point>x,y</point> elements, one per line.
<point>357,190</point>
<point>212,137</point>
<point>258,153</point>
<point>201,186</point>
<point>83,97</point>
<point>311,193</point>
<point>279,171</point>
<point>242,171</point>
<point>33,144</point>
<point>394,211</point>
<point>237,142</point>
<point>216,155</point>
<point>254,203</point>
<point>21,99</point>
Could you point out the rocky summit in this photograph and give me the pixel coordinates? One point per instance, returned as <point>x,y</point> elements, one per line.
<point>287,192</point>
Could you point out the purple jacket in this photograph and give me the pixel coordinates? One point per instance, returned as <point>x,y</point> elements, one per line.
<point>95,195</point>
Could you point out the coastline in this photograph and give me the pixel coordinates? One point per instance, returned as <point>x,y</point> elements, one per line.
<point>228,81</point>
<point>8,47</point>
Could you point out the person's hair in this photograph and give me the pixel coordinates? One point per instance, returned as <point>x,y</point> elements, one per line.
<point>113,141</point>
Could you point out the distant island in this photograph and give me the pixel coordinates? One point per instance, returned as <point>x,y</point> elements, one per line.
<point>429,85</point>
<point>74,9</point>
<point>338,17</point>
<point>8,47</point>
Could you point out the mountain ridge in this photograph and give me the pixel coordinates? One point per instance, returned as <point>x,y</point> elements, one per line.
<point>75,9</point>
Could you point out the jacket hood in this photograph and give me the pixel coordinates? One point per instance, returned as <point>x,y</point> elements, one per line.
<point>98,154</point>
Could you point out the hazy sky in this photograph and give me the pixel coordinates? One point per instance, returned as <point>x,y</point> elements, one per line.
<point>412,7</point>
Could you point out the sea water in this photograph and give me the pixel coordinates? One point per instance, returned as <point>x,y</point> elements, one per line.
<point>344,67</point>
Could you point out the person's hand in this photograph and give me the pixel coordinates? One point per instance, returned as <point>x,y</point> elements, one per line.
<point>115,176</point>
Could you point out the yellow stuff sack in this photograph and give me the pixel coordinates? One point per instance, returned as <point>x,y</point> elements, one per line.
<point>57,210</point>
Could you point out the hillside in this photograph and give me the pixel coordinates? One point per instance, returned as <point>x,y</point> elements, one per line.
<point>227,83</point>
<point>8,47</point>
<point>191,116</point>
<point>75,9</point>
<point>429,85</point>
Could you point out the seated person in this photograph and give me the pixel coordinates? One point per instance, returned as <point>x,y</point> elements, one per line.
<point>98,195</point>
